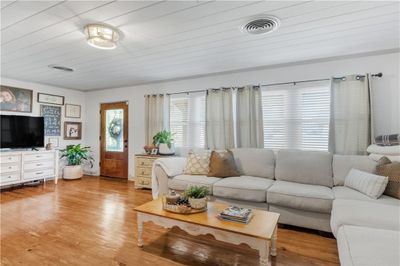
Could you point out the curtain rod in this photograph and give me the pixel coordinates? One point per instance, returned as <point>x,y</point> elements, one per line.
<point>379,75</point>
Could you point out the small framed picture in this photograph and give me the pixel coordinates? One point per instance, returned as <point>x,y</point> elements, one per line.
<point>72,130</point>
<point>54,142</point>
<point>50,98</point>
<point>72,110</point>
<point>154,152</point>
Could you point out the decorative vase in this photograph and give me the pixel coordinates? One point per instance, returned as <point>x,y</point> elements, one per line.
<point>163,149</point>
<point>198,203</point>
<point>73,172</point>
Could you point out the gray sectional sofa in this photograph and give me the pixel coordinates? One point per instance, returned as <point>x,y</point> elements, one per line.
<point>307,189</point>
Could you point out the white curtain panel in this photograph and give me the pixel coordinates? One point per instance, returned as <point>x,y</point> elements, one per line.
<point>350,129</point>
<point>249,122</point>
<point>219,119</point>
<point>154,116</point>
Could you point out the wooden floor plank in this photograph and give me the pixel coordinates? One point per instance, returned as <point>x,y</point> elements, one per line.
<point>92,222</point>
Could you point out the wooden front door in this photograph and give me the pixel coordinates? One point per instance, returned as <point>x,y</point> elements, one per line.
<point>114,139</point>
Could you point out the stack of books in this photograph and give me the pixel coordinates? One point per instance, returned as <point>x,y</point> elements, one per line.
<point>236,214</point>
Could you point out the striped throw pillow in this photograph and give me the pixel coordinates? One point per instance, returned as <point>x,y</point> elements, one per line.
<point>366,183</point>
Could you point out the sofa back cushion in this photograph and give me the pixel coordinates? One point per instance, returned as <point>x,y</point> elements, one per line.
<point>306,167</point>
<point>255,162</point>
<point>342,164</point>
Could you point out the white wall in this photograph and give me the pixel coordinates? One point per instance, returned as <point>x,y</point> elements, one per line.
<point>71,96</point>
<point>386,93</point>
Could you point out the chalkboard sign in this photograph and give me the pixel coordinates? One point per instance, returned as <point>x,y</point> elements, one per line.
<point>52,120</point>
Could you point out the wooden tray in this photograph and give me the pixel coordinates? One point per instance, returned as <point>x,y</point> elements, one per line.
<point>171,208</point>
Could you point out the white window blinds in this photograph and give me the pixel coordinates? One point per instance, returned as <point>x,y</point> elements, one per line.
<point>296,116</point>
<point>187,113</point>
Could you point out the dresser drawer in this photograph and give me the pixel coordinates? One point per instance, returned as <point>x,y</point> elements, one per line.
<point>39,174</point>
<point>143,181</point>
<point>38,157</point>
<point>38,165</point>
<point>140,171</point>
<point>5,178</point>
<point>144,162</point>
<point>10,158</point>
<point>9,168</point>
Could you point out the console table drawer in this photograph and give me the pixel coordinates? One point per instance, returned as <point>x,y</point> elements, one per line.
<point>39,157</point>
<point>5,178</point>
<point>38,165</point>
<point>10,159</point>
<point>143,171</point>
<point>39,174</point>
<point>9,168</point>
<point>144,162</point>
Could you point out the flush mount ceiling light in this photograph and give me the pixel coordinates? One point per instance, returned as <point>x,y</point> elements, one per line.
<point>101,36</point>
<point>260,25</point>
<point>62,68</point>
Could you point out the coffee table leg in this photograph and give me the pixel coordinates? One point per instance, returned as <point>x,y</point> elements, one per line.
<point>273,241</point>
<point>140,230</point>
<point>264,254</point>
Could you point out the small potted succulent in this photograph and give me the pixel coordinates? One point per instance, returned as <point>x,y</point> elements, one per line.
<point>76,156</point>
<point>197,196</point>
<point>165,143</point>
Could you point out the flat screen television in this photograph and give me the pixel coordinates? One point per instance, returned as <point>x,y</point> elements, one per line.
<point>21,131</point>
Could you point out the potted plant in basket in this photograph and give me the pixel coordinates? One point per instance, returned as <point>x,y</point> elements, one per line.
<point>76,156</point>
<point>197,196</point>
<point>164,141</point>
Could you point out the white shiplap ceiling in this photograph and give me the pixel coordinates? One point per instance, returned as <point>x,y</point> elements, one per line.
<point>169,40</point>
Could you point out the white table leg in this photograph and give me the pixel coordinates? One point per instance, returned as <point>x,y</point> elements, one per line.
<point>140,230</point>
<point>273,241</point>
<point>264,254</point>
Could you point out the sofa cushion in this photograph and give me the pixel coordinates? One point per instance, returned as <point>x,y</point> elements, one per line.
<point>222,164</point>
<point>342,164</point>
<point>255,162</point>
<point>307,167</point>
<point>367,183</point>
<point>247,188</point>
<point>362,246</point>
<point>342,192</point>
<point>300,196</point>
<point>181,182</point>
<point>364,213</point>
<point>392,170</point>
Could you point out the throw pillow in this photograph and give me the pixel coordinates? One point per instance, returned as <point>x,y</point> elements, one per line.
<point>366,183</point>
<point>197,163</point>
<point>222,164</point>
<point>392,170</point>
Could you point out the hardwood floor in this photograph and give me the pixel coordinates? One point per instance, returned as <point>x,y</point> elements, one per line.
<point>92,222</point>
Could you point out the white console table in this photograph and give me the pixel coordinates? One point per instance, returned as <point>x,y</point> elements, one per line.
<point>25,166</point>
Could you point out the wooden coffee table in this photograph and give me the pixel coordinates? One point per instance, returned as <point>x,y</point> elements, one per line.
<point>258,233</point>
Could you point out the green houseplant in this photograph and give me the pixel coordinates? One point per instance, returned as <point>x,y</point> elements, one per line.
<point>76,156</point>
<point>197,196</point>
<point>164,141</point>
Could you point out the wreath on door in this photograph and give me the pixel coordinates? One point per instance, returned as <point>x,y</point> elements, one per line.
<point>115,127</point>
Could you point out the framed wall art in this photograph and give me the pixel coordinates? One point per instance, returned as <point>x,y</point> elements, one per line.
<point>52,119</point>
<point>72,130</point>
<point>15,99</point>
<point>50,98</point>
<point>72,110</point>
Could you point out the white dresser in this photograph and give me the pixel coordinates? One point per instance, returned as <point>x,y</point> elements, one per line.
<point>24,166</point>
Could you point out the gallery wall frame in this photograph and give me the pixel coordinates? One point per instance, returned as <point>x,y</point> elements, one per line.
<point>72,110</point>
<point>72,130</point>
<point>15,99</point>
<point>50,98</point>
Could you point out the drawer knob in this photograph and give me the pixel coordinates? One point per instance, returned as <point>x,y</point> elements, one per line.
<point>39,164</point>
<point>10,167</point>
<point>9,158</point>
<point>142,163</point>
<point>39,173</point>
<point>9,176</point>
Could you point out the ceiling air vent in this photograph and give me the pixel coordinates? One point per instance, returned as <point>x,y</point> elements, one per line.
<point>62,68</point>
<point>261,25</point>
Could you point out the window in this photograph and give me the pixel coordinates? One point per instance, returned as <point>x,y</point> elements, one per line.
<point>187,113</point>
<point>296,116</point>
